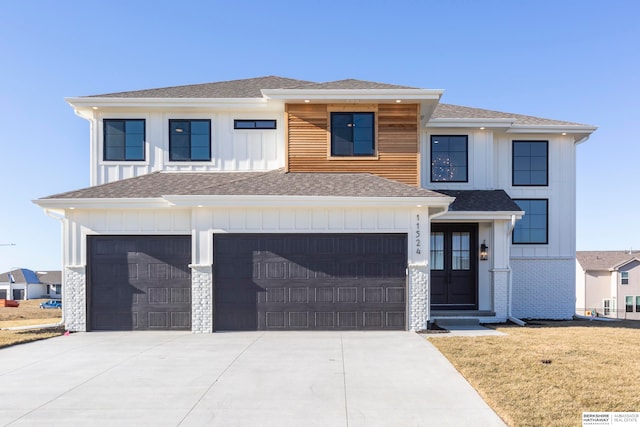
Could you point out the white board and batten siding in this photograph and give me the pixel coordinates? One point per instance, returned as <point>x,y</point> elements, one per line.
<point>231,149</point>
<point>490,167</point>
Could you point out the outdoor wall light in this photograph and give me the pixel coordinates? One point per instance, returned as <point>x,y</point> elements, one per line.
<point>484,255</point>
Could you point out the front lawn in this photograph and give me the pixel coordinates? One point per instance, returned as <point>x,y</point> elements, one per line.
<point>548,373</point>
<point>28,313</point>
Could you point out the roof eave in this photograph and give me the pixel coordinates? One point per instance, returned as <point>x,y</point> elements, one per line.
<point>470,123</point>
<point>481,215</point>
<point>96,103</point>
<point>381,95</point>
<point>305,201</point>
<point>101,203</point>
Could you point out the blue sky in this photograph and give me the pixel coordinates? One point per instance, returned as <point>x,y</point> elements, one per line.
<point>568,60</point>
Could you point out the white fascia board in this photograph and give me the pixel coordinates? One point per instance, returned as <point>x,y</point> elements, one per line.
<point>307,201</point>
<point>100,203</point>
<point>81,103</point>
<point>470,123</point>
<point>569,129</point>
<point>388,95</point>
<point>480,215</point>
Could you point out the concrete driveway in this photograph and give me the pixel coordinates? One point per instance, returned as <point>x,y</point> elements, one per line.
<point>236,379</point>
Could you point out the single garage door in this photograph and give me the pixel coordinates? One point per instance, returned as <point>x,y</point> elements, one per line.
<point>310,281</point>
<point>139,282</point>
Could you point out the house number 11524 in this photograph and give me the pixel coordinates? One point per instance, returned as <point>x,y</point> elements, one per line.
<point>417,236</point>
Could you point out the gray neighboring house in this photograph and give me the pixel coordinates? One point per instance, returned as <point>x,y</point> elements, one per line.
<point>52,279</point>
<point>608,282</point>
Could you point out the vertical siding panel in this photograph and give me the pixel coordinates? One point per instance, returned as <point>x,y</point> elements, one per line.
<point>397,139</point>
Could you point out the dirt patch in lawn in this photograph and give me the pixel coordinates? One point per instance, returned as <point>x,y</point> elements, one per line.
<point>550,372</point>
<point>28,313</point>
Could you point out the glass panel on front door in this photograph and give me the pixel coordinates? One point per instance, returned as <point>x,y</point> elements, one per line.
<point>460,251</point>
<point>437,251</point>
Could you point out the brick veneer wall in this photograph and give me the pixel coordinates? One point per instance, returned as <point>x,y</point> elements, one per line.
<point>543,288</point>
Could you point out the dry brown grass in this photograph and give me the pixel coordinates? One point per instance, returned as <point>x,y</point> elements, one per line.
<point>27,314</point>
<point>548,373</point>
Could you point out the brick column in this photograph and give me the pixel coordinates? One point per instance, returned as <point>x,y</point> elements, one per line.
<point>418,297</point>
<point>74,298</point>
<point>201,299</point>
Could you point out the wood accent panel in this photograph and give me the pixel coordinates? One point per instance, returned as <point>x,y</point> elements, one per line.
<point>397,142</point>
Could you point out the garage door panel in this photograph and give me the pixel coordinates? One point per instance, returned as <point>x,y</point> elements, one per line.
<point>139,282</point>
<point>327,282</point>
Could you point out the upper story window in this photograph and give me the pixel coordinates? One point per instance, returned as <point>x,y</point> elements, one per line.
<point>533,226</point>
<point>352,134</point>
<point>531,163</point>
<point>189,140</point>
<point>624,277</point>
<point>449,158</point>
<point>124,139</point>
<point>254,124</point>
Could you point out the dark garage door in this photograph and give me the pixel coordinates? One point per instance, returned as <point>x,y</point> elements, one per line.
<point>311,281</point>
<point>140,282</point>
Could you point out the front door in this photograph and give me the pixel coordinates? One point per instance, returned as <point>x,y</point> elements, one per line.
<point>453,258</point>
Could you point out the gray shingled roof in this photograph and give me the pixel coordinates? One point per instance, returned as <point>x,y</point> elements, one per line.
<point>481,201</point>
<point>244,88</point>
<point>50,277</point>
<point>448,111</point>
<point>251,88</point>
<point>605,260</point>
<point>272,183</point>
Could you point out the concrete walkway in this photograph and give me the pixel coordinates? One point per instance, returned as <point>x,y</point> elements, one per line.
<point>236,379</point>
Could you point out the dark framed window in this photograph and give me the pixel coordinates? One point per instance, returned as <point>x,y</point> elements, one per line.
<point>189,140</point>
<point>449,158</point>
<point>628,304</point>
<point>254,124</point>
<point>352,134</point>
<point>533,226</point>
<point>530,163</point>
<point>624,277</point>
<point>124,139</point>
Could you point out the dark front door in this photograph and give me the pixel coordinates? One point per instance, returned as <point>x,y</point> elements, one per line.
<point>309,281</point>
<point>453,261</point>
<point>18,294</point>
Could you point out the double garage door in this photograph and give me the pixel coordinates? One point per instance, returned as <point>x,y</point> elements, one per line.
<point>261,282</point>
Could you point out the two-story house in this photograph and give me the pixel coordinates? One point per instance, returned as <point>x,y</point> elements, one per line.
<point>608,284</point>
<point>273,203</point>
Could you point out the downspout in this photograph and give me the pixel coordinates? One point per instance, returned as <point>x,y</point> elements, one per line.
<point>61,219</point>
<point>510,281</point>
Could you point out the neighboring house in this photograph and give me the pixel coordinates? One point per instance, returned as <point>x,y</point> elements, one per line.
<point>608,283</point>
<point>53,282</point>
<point>273,203</point>
<point>21,284</point>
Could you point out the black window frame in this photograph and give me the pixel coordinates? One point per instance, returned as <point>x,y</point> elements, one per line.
<point>513,163</point>
<point>171,143</point>
<point>432,160</point>
<point>520,222</point>
<point>257,124</point>
<point>124,158</point>
<point>374,144</point>
<point>624,277</point>
<point>628,308</point>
